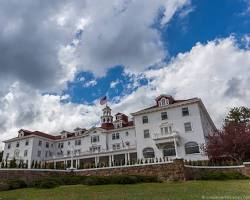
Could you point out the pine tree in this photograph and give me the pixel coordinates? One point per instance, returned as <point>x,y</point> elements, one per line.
<point>238,115</point>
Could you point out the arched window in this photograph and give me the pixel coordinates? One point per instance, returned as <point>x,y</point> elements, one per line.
<point>192,147</point>
<point>169,150</point>
<point>148,152</point>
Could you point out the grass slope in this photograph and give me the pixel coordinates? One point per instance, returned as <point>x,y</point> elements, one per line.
<point>237,189</point>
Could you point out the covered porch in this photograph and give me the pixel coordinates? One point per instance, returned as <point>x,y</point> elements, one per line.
<point>168,144</point>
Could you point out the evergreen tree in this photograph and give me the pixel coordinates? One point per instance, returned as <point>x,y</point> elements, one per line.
<point>238,115</point>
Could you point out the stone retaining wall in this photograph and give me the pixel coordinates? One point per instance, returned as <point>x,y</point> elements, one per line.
<point>175,170</point>
<point>195,172</point>
<point>165,171</point>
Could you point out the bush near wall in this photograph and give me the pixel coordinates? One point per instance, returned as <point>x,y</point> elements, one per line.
<point>222,176</point>
<point>55,181</point>
<point>212,162</point>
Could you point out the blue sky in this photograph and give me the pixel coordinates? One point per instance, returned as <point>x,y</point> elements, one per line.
<point>205,20</point>
<point>58,58</point>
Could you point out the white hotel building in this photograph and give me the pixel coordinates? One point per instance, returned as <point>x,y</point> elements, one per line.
<point>170,128</point>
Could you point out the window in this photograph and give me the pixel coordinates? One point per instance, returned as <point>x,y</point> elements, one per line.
<point>39,154</point>
<point>17,144</point>
<point>95,148</point>
<point>7,156</point>
<point>68,142</point>
<point>127,143</point>
<point>60,145</point>
<point>26,142</point>
<point>115,136</point>
<point>185,111</point>
<point>77,151</point>
<point>25,153</point>
<point>166,130</point>
<point>68,153</point>
<point>148,152</point>
<point>46,154</point>
<point>169,150</point>
<point>47,145</point>
<point>16,153</point>
<point>40,143</point>
<point>146,133</point>
<point>188,126</point>
<point>192,147</point>
<point>77,142</point>
<point>163,102</point>
<point>95,138</point>
<point>164,115</point>
<point>145,119</point>
<point>126,133</point>
<point>9,145</point>
<point>116,146</point>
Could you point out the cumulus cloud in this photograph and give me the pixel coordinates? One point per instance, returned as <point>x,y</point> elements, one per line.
<point>113,84</point>
<point>43,45</point>
<point>23,107</point>
<point>90,83</point>
<point>40,42</point>
<point>218,72</point>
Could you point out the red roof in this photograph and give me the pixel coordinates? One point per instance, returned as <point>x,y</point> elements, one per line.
<point>41,134</point>
<point>174,102</point>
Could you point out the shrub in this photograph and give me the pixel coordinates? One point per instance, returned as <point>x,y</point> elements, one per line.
<point>4,186</point>
<point>97,180</point>
<point>222,176</point>
<point>50,183</point>
<point>121,179</point>
<point>126,179</point>
<point>47,182</point>
<point>16,184</point>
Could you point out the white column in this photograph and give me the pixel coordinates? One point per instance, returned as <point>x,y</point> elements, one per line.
<point>77,163</point>
<point>129,158</point>
<point>175,146</point>
<point>110,160</point>
<point>126,159</point>
<point>95,161</point>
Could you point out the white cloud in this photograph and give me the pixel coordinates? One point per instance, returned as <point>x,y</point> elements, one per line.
<point>113,84</point>
<point>22,107</point>
<point>90,83</point>
<point>118,34</point>
<point>41,36</point>
<point>218,72</point>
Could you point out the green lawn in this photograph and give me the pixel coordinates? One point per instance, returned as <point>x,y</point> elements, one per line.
<point>237,189</point>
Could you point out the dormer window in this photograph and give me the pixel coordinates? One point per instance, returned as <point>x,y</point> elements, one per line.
<point>163,102</point>
<point>21,134</point>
